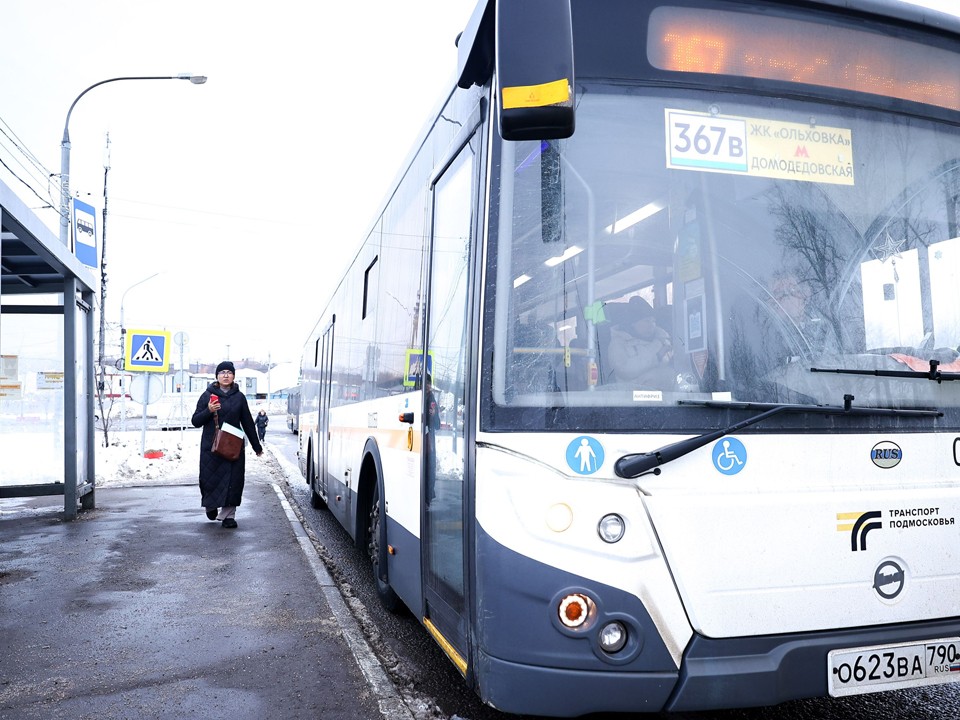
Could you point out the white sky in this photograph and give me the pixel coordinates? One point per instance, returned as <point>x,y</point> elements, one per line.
<point>248,195</point>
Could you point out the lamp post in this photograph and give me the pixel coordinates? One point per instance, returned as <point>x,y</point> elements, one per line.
<point>65,144</point>
<point>123,353</point>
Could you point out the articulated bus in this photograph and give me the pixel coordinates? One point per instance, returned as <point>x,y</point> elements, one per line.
<point>640,390</point>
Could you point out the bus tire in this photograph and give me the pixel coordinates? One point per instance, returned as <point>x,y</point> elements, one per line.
<point>376,535</point>
<point>316,500</point>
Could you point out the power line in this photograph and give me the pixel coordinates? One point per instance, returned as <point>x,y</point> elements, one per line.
<point>21,146</point>
<point>10,170</point>
<point>29,169</point>
<point>37,173</point>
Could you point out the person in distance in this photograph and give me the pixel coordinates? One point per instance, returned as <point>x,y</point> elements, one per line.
<point>262,421</point>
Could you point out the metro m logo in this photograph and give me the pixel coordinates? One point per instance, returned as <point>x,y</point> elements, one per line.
<point>859,528</point>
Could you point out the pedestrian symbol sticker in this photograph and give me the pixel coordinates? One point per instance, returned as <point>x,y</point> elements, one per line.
<point>584,455</point>
<point>147,353</point>
<point>729,455</point>
<point>146,350</point>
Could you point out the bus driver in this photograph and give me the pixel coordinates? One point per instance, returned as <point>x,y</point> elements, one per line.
<point>640,352</point>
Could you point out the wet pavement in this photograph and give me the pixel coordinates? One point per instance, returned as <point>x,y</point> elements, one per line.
<point>143,608</point>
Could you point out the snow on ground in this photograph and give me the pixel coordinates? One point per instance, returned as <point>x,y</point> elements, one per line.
<point>122,463</point>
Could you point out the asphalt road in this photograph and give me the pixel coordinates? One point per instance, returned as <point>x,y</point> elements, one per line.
<point>414,659</point>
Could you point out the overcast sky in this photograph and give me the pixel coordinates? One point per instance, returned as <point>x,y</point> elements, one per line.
<point>249,194</point>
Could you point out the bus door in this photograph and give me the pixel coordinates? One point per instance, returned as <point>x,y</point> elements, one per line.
<point>325,365</point>
<point>448,360</point>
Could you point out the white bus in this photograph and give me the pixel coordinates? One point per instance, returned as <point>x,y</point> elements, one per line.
<point>639,390</point>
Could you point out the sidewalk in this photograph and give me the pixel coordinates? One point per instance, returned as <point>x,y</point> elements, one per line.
<point>143,608</point>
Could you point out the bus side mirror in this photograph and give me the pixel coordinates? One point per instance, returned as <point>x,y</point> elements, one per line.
<point>534,59</point>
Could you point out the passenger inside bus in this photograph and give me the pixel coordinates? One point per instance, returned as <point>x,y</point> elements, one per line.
<point>640,351</point>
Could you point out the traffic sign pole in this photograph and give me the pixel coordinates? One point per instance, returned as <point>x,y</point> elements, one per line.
<point>145,389</point>
<point>146,351</point>
<point>181,339</point>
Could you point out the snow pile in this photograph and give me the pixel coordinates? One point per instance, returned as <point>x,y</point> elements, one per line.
<point>175,457</point>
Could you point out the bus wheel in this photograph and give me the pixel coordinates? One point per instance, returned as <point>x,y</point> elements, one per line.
<point>316,500</point>
<point>388,598</point>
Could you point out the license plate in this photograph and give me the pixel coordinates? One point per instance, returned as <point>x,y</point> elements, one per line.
<point>888,667</point>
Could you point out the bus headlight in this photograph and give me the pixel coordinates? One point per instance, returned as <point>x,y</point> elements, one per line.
<point>611,528</point>
<point>574,610</point>
<point>613,637</point>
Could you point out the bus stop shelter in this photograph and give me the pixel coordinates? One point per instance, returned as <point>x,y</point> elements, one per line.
<point>46,363</point>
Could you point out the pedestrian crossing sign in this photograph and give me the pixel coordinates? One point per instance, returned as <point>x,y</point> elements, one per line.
<point>147,351</point>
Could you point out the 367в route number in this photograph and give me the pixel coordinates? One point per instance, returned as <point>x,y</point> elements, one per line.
<point>707,142</point>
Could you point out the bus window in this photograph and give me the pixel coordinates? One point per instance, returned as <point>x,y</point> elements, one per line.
<point>751,277</point>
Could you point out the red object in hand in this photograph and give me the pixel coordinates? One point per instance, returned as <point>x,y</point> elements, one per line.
<point>214,399</point>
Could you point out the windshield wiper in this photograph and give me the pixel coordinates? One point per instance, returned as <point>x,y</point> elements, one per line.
<point>637,464</point>
<point>932,374</point>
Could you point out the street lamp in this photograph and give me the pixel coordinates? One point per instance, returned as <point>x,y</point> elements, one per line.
<point>65,145</point>
<point>123,353</point>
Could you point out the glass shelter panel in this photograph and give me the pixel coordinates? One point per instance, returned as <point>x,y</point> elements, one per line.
<point>82,342</point>
<point>31,396</point>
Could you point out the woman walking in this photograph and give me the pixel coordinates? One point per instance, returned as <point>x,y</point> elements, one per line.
<point>221,481</point>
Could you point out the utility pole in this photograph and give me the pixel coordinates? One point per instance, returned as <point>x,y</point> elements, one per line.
<point>101,384</point>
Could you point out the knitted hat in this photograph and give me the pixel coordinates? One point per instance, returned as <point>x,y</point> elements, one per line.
<point>226,365</point>
<point>638,308</point>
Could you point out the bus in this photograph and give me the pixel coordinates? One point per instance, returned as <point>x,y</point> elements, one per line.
<point>639,391</point>
<point>293,410</point>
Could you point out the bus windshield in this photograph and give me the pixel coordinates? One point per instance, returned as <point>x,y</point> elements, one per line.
<point>703,246</point>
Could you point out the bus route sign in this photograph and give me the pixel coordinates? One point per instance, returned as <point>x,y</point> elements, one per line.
<point>759,147</point>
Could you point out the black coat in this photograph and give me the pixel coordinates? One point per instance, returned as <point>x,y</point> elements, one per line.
<point>221,481</point>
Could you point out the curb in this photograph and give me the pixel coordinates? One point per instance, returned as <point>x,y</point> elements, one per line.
<point>392,706</point>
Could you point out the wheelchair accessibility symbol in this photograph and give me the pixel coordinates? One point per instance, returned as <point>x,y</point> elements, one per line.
<point>729,455</point>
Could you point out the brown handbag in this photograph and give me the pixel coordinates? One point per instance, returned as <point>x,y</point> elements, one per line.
<point>228,440</point>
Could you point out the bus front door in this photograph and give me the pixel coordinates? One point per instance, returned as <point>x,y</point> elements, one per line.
<point>325,352</point>
<point>447,369</point>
